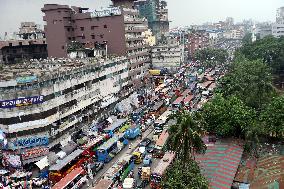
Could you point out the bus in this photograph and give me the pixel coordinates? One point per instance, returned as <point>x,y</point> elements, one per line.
<point>92,145</point>
<point>158,108</point>
<point>115,127</point>
<point>110,148</point>
<point>187,101</point>
<point>65,166</point>
<point>133,132</point>
<point>185,93</point>
<point>104,184</point>
<point>177,103</point>
<point>160,144</point>
<point>120,169</point>
<point>159,171</point>
<point>75,179</point>
<point>161,121</point>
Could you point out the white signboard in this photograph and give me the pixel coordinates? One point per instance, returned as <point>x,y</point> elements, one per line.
<point>106,12</point>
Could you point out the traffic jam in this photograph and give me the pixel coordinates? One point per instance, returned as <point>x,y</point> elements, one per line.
<point>128,151</point>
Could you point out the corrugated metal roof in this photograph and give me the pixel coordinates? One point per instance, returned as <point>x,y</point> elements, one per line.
<point>219,164</point>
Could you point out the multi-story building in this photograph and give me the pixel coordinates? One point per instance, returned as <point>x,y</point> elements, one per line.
<point>43,103</point>
<point>30,44</point>
<point>280,15</point>
<point>263,30</point>
<point>278,27</point>
<point>197,40</point>
<point>168,56</point>
<point>118,29</point>
<point>156,13</point>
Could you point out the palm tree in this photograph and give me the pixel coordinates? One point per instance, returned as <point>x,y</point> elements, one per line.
<point>185,137</point>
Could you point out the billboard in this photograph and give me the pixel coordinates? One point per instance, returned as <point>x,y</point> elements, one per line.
<point>25,101</point>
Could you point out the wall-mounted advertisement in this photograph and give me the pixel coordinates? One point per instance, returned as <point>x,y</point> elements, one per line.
<point>31,142</point>
<point>26,79</point>
<point>25,101</point>
<point>106,12</point>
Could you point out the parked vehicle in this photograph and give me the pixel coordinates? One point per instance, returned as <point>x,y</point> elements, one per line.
<point>150,148</point>
<point>96,167</point>
<point>147,161</point>
<point>138,157</point>
<point>145,142</point>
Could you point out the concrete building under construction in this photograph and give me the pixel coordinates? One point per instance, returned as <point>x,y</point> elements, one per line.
<point>156,13</point>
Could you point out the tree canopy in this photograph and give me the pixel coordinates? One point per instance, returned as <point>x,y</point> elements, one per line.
<point>273,117</point>
<point>269,49</point>
<point>210,57</point>
<point>250,81</point>
<point>185,136</point>
<point>227,117</point>
<point>184,176</point>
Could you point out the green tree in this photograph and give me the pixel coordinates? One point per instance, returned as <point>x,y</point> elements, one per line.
<point>247,39</point>
<point>269,49</point>
<point>273,117</point>
<point>185,137</point>
<point>227,117</point>
<point>210,57</point>
<point>184,176</point>
<point>250,81</point>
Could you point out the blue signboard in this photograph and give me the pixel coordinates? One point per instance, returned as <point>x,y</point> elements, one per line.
<point>31,142</point>
<point>21,102</point>
<point>26,79</point>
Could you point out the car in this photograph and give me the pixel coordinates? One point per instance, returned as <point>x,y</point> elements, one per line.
<point>145,142</point>
<point>150,148</point>
<point>96,167</point>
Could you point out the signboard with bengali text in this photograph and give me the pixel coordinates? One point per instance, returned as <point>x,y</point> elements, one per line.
<point>106,12</point>
<point>25,101</point>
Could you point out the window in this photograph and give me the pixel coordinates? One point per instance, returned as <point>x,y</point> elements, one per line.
<point>20,43</point>
<point>69,38</point>
<point>105,26</point>
<point>10,44</point>
<point>72,29</point>
<point>102,35</point>
<point>93,36</point>
<point>14,51</point>
<point>82,28</point>
<point>73,38</point>
<point>59,11</point>
<point>43,42</point>
<point>68,29</point>
<point>83,37</point>
<point>62,47</point>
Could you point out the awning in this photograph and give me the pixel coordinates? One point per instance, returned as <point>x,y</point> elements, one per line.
<point>42,163</point>
<point>61,154</point>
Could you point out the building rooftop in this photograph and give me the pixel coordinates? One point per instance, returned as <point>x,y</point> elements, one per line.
<point>40,70</point>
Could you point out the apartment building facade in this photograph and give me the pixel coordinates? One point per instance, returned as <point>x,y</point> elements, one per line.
<point>119,29</point>
<point>44,103</point>
<point>197,40</point>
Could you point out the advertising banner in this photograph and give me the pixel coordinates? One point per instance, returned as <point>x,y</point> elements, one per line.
<point>25,101</point>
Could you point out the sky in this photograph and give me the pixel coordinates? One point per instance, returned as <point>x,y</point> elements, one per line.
<point>181,12</point>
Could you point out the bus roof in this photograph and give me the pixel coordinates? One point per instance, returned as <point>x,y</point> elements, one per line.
<point>93,142</point>
<point>185,93</point>
<point>162,139</point>
<point>115,124</point>
<point>109,143</point>
<point>116,167</point>
<point>164,163</point>
<point>103,184</point>
<point>68,178</point>
<point>160,87</point>
<point>178,100</point>
<point>157,105</point>
<point>62,163</point>
<point>188,98</point>
<point>165,115</point>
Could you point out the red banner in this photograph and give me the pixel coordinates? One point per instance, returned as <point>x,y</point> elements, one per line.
<point>34,152</point>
